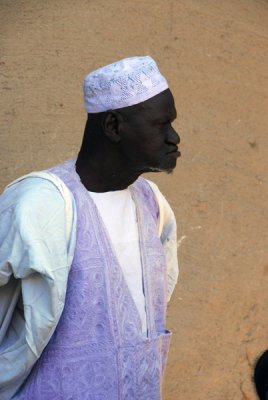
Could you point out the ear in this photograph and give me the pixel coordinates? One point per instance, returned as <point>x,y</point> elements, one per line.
<point>111,125</point>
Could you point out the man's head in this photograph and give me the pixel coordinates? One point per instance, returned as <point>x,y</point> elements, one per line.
<point>130,112</point>
<point>144,133</point>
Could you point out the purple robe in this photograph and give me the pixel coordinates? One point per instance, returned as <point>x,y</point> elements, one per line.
<point>97,350</point>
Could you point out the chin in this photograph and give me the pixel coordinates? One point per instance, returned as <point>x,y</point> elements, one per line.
<point>167,167</point>
<point>153,169</point>
<point>166,170</point>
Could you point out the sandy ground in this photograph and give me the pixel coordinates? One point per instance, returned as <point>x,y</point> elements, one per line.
<point>215,56</point>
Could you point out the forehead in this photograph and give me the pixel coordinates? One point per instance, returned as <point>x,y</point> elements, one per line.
<point>161,105</point>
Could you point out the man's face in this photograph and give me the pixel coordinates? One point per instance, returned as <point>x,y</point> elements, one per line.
<point>149,141</point>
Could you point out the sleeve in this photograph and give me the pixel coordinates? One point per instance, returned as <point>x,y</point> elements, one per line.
<point>36,251</point>
<point>167,230</point>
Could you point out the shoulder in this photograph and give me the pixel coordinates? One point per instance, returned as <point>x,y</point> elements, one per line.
<point>147,184</point>
<point>30,194</point>
<point>148,188</point>
<point>151,190</point>
<point>166,214</point>
<point>154,187</point>
<point>160,198</point>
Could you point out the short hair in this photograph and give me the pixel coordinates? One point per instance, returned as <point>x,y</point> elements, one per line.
<point>260,376</point>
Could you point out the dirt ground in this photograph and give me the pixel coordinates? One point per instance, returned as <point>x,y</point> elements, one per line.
<point>215,56</point>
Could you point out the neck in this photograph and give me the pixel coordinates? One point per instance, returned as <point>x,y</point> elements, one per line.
<point>104,176</point>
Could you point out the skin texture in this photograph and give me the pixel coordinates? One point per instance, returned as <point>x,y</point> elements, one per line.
<point>119,145</point>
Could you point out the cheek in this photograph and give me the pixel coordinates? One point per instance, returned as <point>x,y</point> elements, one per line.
<point>158,140</point>
<point>155,136</point>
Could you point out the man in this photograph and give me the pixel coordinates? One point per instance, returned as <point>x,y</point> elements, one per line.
<point>260,377</point>
<point>88,252</point>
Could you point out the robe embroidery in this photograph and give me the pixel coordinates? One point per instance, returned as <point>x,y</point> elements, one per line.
<point>97,350</point>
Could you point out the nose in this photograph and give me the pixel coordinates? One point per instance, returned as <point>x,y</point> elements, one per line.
<point>173,136</point>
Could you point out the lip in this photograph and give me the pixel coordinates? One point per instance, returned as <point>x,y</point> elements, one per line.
<point>175,152</point>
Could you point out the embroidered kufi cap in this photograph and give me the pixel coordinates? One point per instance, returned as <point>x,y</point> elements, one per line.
<point>123,83</point>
